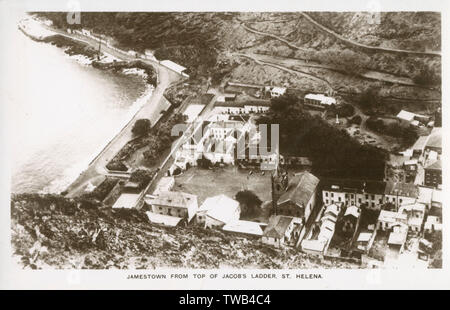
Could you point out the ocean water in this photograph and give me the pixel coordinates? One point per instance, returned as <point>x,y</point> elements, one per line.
<point>60,113</point>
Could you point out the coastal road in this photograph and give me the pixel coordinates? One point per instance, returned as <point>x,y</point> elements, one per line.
<point>151,109</point>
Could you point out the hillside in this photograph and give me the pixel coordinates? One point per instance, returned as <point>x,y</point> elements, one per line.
<point>56,232</point>
<point>198,39</point>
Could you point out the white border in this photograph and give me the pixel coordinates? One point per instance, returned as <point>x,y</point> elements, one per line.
<point>12,277</point>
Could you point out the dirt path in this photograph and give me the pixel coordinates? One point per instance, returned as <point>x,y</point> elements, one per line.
<point>290,70</point>
<point>369,74</point>
<point>365,46</point>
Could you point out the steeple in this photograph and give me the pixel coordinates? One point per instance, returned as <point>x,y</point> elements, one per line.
<point>279,180</point>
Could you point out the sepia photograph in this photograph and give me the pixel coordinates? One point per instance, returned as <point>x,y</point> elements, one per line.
<point>235,140</point>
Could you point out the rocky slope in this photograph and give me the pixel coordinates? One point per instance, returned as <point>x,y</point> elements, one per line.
<point>56,232</point>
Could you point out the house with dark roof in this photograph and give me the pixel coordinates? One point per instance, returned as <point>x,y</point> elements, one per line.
<point>433,174</point>
<point>282,230</point>
<point>299,199</point>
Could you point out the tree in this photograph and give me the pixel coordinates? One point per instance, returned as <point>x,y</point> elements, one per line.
<point>369,99</point>
<point>249,202</point>
<point>142,176</point>
<point>356,120</point>
<point>141,127</point>
<point>427,76</point>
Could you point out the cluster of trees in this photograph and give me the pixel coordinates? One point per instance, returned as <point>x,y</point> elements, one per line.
<point>334,152</point>
<point>369,100</point>
<point>407,134</point>
<point>142,176</point>
<point>249,202</point>
<point>427,76</point>
<point>160,138</point>
<point>141,127</point>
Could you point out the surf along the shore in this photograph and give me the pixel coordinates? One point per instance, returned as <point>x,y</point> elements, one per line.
<point>150,105</point>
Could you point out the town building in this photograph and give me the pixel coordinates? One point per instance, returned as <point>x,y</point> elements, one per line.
<point>410,168</point>
<point>319,237</point>
<point>398,193</point>
<point>127,201</point>
<point>365,240</point>
<point>299,197</point>
<point>409,118</point>
<point>275,91</point>
<point>433,224</point>
<point>349,221</point>
<point>176,204</point>
<point>433,174</point>
<point>218,211</point>
<point>245,228</point>
<point>353,192</point>
<point>388,219</point>
<point>434,142</point>
<point>319,101</point>
<point>282,230</point>
<point>396,241</point>
<point>415,213</point>
<point>174,67</point>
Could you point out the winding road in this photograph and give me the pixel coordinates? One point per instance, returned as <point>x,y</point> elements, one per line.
<point>365,46</point>
<point>339,37</point>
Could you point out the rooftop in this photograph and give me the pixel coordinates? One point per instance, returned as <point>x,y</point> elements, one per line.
<point>351,185</point>
<point>244,227</point>
<point>174,66</point>
<point>220,207</point>
<point>322,98</point>
<point>405,115</point>
<point>435,138</point>
<point>300,189</point>
<point>436,165</point>
<point>277,226</point>
<point>173,199</point>
<point>364,237</point>
<point>163,219</point>
<point>126,201</point>
<point>397,238</point>
<point>401,189</point>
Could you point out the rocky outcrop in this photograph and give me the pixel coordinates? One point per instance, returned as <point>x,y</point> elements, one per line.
<point>50,231</point>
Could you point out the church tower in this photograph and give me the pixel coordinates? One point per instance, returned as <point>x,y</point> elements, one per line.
<point>279,180</point>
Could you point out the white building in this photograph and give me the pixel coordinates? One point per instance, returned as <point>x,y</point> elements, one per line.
<point>319,100</point>
<point>218,211</point>
<point>277,92</point>
<point>177,204</point>
<point>174,67</point>
<point>387,219</point>
<point>246,228</point>
<point>432,224</point>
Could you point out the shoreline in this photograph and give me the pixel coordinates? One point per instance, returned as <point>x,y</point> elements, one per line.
<point>136,107</point>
